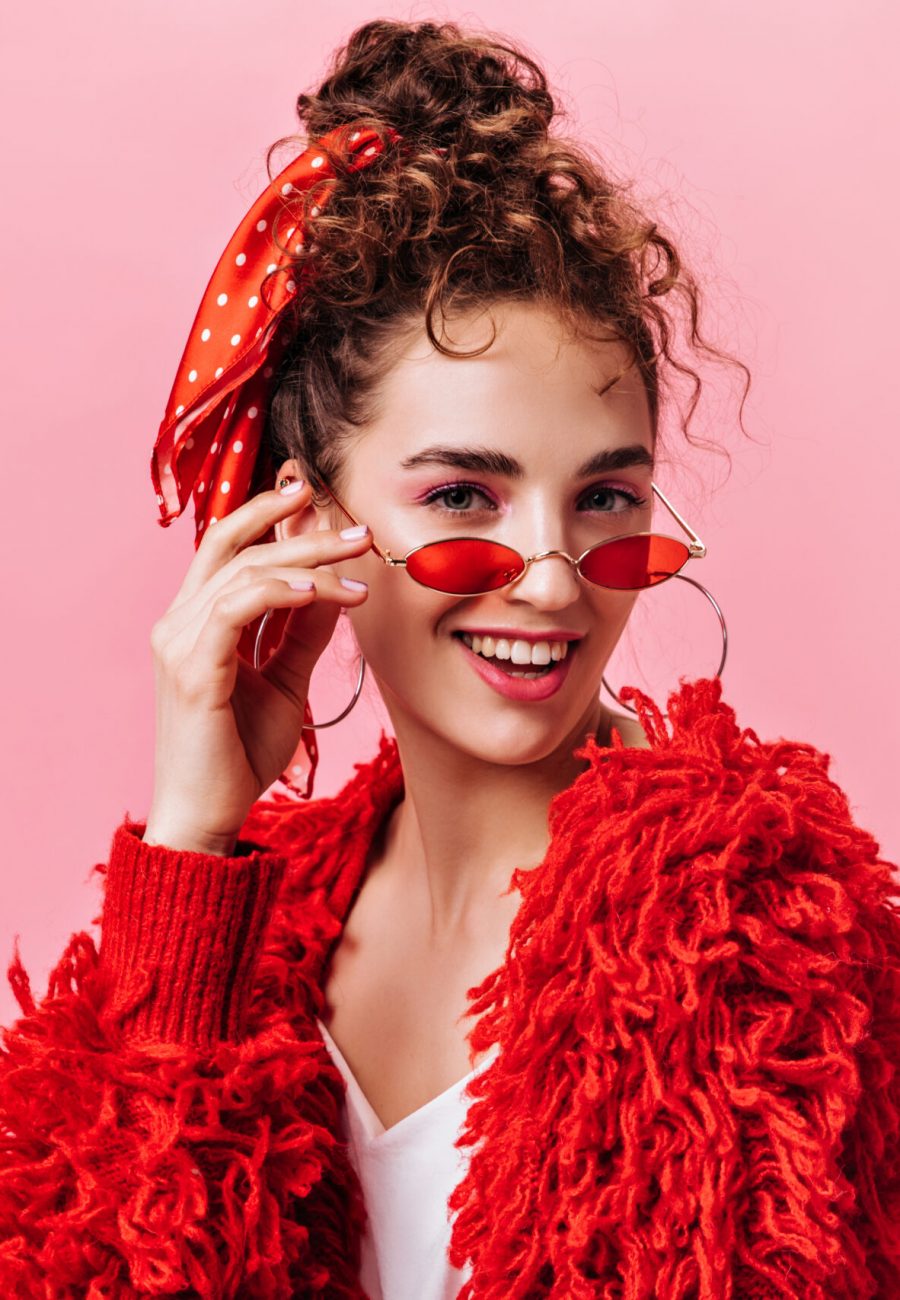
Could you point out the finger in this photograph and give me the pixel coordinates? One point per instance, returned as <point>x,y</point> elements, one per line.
<point>232,609</point>
<point>232,533</point>
<point>310,549</point>
<point>318,546</point>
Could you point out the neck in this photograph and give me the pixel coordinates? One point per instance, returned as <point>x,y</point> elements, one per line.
<point>465,823</point>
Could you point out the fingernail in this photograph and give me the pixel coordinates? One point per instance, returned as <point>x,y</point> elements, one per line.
<point>354,585</point>
<point>291,488</point>
<point>301,585</point>
<point>351,534</point>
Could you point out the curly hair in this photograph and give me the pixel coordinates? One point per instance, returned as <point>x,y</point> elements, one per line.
<point>482,204</point>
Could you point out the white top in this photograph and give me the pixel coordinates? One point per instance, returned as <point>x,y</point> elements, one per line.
<point>407,1173</point>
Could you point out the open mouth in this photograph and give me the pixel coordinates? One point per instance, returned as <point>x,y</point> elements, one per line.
<point>523,659</point>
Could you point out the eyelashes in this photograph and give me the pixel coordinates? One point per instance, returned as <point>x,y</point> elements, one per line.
<point>633,499</point>
<point>438,497</point>
<point>447,489</point>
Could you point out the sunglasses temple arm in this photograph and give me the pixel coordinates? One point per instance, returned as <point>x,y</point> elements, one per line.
<point>382,555</point>
<point>698,548</point>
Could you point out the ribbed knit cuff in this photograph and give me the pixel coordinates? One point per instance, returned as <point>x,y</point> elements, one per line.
<point>180,934</point>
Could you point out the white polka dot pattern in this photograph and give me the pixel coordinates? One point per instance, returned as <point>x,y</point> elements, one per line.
<point>207,445</point>
<point>234,339</point>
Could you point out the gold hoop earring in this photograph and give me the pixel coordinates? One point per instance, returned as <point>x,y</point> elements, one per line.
<point>257,647</point>
<point>718,673</point>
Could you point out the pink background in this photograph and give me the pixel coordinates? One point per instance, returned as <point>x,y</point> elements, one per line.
<point>133,141</point>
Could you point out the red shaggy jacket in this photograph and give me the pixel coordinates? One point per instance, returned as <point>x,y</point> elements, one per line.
<point>696,1093</point>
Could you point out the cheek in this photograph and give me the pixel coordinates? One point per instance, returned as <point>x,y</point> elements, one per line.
<point>617,607</point>
<point>397,625</point>
<point>611,611</point>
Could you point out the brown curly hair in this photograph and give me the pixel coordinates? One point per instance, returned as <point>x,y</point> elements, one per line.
<point>482,204</point>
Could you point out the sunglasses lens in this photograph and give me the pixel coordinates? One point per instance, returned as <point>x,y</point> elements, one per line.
<point>464,566</point>
<point>629,563</point>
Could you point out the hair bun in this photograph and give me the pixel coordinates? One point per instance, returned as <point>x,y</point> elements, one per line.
<point>481,201</point>
<point>433,83</point>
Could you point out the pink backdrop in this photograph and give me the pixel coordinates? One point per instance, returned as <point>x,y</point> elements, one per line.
<point>133,140</point>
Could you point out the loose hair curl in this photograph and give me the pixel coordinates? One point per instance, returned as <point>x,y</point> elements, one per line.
<point>479,203</point>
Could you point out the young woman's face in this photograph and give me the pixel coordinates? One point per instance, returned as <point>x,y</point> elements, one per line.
<point>509,445</point>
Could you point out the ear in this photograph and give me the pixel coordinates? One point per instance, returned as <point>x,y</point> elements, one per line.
<point>306,520</point>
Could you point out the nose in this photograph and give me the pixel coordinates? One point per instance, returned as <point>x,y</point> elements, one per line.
<point>550,581</point>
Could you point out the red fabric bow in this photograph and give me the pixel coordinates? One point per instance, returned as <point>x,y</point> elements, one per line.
<point>209,442</point>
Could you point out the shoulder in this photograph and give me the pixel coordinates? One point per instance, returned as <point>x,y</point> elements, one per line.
<point>715,867</point>
<point>630,729</point>
<point>705,800</point>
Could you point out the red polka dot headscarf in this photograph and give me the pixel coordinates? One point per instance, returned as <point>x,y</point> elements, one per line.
<point>209,443</point>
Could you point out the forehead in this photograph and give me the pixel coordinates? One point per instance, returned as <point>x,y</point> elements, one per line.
<point>537,390</point>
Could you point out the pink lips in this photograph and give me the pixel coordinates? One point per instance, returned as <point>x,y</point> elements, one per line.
<point>519,688</point>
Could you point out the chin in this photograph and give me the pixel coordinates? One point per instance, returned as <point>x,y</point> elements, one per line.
<point>473,718</point>
<point>509,741</point>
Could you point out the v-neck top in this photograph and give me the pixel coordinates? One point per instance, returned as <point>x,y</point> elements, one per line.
<point>406,1172</point>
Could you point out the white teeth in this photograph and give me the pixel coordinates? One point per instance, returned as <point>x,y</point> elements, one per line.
<point>518,651</point>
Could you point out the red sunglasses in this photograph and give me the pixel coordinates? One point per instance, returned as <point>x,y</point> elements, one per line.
<point>472,566</point>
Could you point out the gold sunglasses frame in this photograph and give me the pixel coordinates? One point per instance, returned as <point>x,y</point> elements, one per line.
<point>696,550</point>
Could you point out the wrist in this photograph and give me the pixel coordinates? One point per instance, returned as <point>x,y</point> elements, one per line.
<point>184,840</point>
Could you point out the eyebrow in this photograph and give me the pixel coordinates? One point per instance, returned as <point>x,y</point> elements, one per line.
<point>487,460</point>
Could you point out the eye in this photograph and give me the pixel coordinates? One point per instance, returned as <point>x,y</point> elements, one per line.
<point>603,492</point>
<point>456,498</point>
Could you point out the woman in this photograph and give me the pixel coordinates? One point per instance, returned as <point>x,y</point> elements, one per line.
<point>649,980</point>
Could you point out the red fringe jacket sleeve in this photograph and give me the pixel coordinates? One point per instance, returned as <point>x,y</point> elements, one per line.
<point>160,1135</point>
